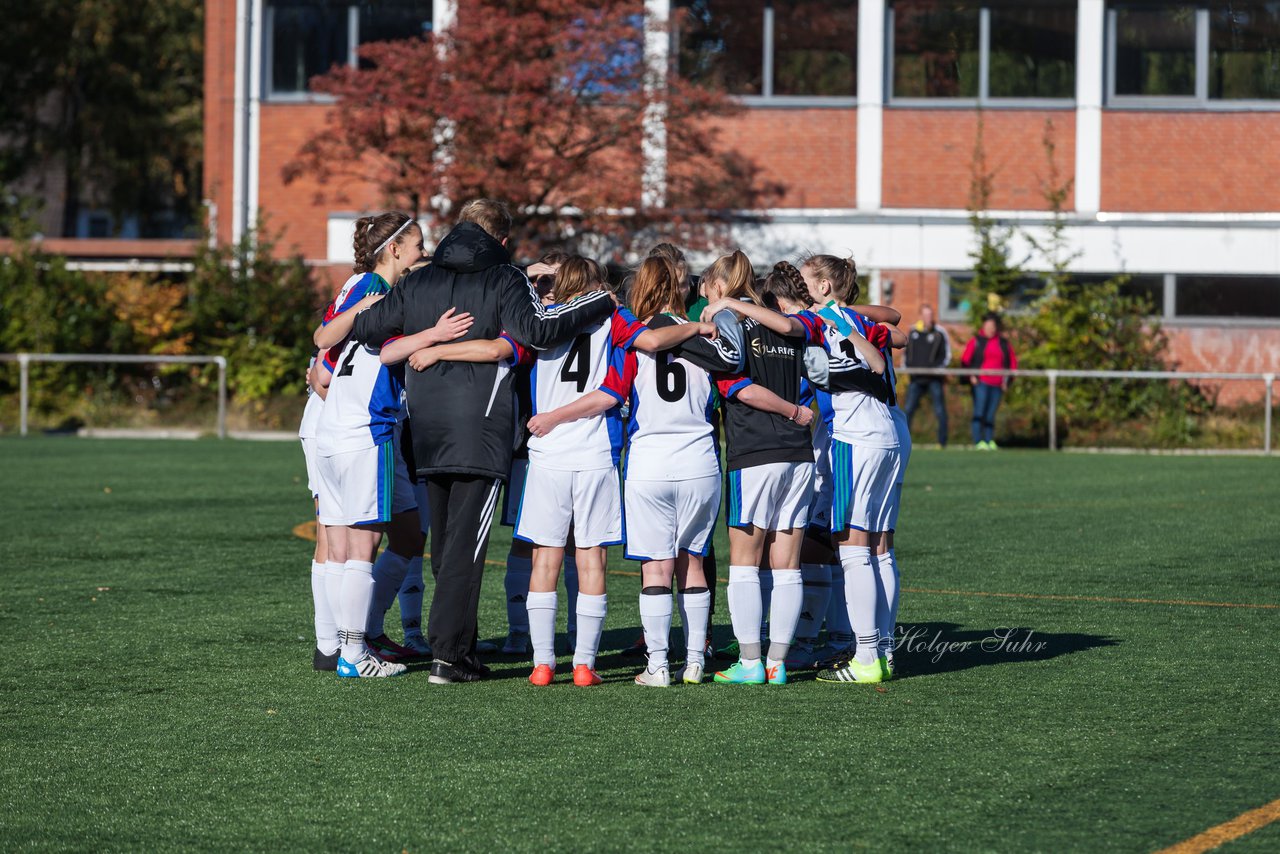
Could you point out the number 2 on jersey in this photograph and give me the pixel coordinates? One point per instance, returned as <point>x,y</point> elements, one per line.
<point>577,363</point>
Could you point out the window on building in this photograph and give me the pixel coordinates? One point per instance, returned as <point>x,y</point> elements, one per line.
<point>1244,51</point>
<point>1196,52</point>
<point>1228,296</point>
<point>770,48</point>
<point>984,51</point>
<point>306,38</point>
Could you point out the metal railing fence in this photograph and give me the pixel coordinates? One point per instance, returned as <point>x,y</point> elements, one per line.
<point>1054,374</point>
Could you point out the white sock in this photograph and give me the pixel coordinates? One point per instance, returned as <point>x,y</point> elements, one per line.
<point>784,613</point>
<point>655,616</point>
<point>411,599</point>
<point>839,632</point>
<point>695,611</point>
<point>887,600</point>
<point>333,590</point>
<point>813,607</point>
<point>860,597</point>
<point>571,592</point>
<point>766,599</point>
<point>591,613</point>
<point>516,582</point>
<point>326,625</point>
<point>541,610</point>
<point>389,572</point>
<point>743,593</point>
<point>357,593</point>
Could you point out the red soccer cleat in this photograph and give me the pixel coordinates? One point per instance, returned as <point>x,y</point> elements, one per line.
<point>584,676</point>
<point>542,675</point>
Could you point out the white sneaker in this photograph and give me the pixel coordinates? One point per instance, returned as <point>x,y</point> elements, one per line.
<point>690,674</point>
<point>661,678</point>
<point>369,667</point>
<point>517,644</point>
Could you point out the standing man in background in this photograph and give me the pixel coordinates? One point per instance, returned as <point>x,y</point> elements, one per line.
<point>928,346</point>
<point>463,413</point>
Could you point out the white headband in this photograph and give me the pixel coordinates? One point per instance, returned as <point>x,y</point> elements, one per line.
<point>393,236</point>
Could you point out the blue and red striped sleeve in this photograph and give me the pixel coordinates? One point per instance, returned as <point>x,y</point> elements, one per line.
<point>812,327</point>
<point>625,328</point>
<point>621,374</point>
<point>330,357</point>
<point>520,354</point>
<point>359,291</point>
<point>731,384</point>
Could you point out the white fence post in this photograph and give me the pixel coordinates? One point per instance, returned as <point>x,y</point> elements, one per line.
<point>222,395</point>
<point>1266,416</point>
<point>24,393</point>
<point>1053,408</point>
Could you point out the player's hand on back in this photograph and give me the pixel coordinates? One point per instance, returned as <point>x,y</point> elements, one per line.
<point>451,325</point>
<point>804,417</point>
<point>708,330</point>
<point>542,424</point>
<point>422,359</point>
<point>715,308</point>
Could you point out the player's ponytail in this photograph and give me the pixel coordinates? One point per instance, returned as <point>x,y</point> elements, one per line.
<point>656,289</point>
<point>785,284</point>
<point>735,272</point>
<point>842,273</point>
<point>374,234</point>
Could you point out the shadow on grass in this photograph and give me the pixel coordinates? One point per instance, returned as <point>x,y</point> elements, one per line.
<point>928,648</point>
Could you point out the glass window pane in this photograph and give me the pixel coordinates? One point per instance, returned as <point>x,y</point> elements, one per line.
<point>720,44</point>
<point>306,39</point>
<point>815,48</point>
<point>1147,286</point>
<point>1228,296</point>
<point>387,20</point>
<point>1156,50</point>
<point>1033,51</point>
<point>935,49</point>
<point>1244,51</point>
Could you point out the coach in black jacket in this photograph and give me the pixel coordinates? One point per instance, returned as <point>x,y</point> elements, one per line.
<point>463,413</point>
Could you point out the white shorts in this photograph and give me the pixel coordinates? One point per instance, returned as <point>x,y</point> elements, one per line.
<point>364,487</point>
<point>773,496</point>
<point>554,500</point>
<point>312,457</point>
<point>666,517</point>
<point>864,479</point>
<point>514,490</point>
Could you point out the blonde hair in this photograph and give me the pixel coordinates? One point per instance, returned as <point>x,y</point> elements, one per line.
<point>576,277</point>
<point>840,272</point>
<point>492,216</point>
<point>656,289</point>
<point>739,278</point>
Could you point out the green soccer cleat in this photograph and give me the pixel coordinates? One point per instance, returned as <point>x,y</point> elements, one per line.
<point>853,671</point>
<point>776,675</point>
<point>742,674</point>
<point>728,652</point>
<point>886,668</point>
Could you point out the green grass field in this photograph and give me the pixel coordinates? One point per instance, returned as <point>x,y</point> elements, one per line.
<point>157,690</point>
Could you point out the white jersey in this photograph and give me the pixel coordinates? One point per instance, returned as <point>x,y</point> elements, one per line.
<point>670,435</point>
<point>363,403</point>
<point>595,359</point>
<point>859,419</point>
<point>310,425</point>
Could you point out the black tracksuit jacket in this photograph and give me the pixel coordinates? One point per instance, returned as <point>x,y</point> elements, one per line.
<point>463,414</point>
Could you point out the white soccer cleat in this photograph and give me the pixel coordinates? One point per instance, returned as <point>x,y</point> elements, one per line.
<point>369,667</point>
<point>690,674</point>
<point>661,678</point>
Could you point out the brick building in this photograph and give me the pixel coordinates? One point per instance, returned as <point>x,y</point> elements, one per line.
<point>1165,118</point>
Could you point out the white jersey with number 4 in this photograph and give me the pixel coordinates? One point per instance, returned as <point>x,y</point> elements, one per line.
<point>858,418</point>
<point>593,360</point>
<point>363,402</point>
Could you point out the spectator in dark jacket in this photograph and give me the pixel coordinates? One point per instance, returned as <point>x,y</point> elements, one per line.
<point>463,413</point>
<point>928,346</point>
<point>990,350</point>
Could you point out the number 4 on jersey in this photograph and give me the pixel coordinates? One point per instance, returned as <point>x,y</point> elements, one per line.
<point>577,364</point>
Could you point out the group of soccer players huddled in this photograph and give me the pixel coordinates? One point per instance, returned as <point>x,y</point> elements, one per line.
<point>621,445</point>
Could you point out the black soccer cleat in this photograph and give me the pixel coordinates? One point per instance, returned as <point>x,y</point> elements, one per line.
<point>447,673</point>
<point>320,661</point>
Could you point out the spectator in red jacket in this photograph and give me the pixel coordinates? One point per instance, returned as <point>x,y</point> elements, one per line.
<point>990,350</point>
